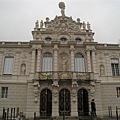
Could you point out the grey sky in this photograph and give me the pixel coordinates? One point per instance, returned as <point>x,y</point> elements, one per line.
<point>17,17</point>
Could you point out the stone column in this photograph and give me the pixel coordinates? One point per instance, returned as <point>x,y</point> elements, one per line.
<point>94,61</point>
<point>88,61</point>
<point>33,60</point>
<point>72,57</point>
<point>55,58</point>
<point>74,110</point>
<point>16,63</point>
<point>39,59</point>
<point>55,101</point>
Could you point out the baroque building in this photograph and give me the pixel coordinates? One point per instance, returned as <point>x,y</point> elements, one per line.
<point>60,71</point>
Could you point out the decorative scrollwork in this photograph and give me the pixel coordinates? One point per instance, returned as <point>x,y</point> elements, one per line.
<point>45,75</point>
<point>65,75</point>
<point>83,76</point>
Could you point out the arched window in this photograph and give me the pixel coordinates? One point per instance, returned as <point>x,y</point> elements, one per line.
<point>78,40</point>
<point>63,39</point>
<point>79,63</point>
<point>48,39</point>
<point>47,62</point>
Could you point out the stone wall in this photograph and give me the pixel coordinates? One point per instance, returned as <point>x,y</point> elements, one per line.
<point>16,96</point>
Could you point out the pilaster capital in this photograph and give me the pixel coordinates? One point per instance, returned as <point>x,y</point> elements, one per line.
<point>72,48</point>
<point>55,47</point>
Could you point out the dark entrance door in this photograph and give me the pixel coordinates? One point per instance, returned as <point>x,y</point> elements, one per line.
<point>83,106</point>
<point>46,103</point>
<point>64,102</point>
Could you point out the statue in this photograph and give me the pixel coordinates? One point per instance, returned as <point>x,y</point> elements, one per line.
<point>62,7</point>
<point>37,24</point>
<point>23,69</point>
<point>84,25</point>
<point>102,70</point>
<point>64,64</point>
<point>88,26</point>
<point>41,24</point>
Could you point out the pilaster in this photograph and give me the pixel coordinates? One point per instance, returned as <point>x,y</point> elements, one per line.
<point>33,60</point>
<point>108,64</point>
<point>74,110</point>
<point>1,61</point>
<point>72,57</point>
<point>94,61</point>
<point>55,101</point>
<point>39,50</point>
<point>16,66</point>
<point>88,61</point>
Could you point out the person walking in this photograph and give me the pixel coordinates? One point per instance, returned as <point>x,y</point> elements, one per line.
<point>93,107</point>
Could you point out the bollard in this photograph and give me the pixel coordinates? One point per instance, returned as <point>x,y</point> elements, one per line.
<point>3,115</point>
<point>14,113</point>
<point>116,113</point>
<point>17,112</point>
<point>7,113</point>
<point>11,113</point>
<point>34,115</point>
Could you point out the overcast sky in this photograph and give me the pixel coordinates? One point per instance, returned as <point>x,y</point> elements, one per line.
<point>17,17</point>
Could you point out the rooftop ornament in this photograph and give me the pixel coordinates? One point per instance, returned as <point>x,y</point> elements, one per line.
<point>62,7</point>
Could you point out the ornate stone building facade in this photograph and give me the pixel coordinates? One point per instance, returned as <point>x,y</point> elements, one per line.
<point>60,70</point>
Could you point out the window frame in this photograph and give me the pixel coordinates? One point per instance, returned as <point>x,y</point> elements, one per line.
<point>46,58</point>
<point>81,58</point>
<point>4,92</point>
<point>10,71</point>
<point>115,67</point>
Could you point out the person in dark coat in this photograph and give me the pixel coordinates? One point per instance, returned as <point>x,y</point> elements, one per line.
<point>93,107</point>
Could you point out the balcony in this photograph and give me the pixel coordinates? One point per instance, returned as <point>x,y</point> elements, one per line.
<point>64,75</point>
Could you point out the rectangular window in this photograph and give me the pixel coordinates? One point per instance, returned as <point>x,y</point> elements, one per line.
<point>115,67</point>
<point>118,91</point>
<point>4,92</point>
<point>8,66</point>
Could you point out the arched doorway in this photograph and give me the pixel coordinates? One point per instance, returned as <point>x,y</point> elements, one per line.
<point>64,102</point>
<point>83,106</point>
<point>46,102</point>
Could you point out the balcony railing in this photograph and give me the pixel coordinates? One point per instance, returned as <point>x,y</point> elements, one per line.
<point>64,75</point>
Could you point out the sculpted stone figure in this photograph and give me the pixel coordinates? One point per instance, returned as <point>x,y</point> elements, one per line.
<point>64,64</point>
<point>37,24</point>
<point>41,24</point>
<point>62,7</point>
<point>23,69</point>
<point>102,70</point>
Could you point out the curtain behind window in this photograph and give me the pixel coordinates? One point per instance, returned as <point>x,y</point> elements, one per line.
<point>8,65</point>
<point>47,62</point>
<point>79,63</point>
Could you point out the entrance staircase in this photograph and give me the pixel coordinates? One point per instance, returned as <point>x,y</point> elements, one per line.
<point>67,118</point>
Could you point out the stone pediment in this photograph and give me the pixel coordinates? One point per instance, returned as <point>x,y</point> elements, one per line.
<point>63,24</point>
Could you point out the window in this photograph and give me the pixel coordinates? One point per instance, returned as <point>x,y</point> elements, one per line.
<point>63,39</point>
<point>48,39</point>
<point>115,66</point>
<point>78,40</point>
<point>8,65</point>
<point>118,91</point>
<point>47,62</point>
<point>79,63</point>
<point>4,92</point>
